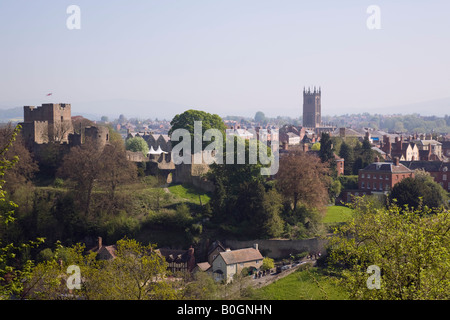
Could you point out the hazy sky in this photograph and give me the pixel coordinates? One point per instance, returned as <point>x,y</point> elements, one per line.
<point>225,56</point>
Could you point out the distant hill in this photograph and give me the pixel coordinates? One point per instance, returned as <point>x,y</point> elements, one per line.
<point>13,114</point>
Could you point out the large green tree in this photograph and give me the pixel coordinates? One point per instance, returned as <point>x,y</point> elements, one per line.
<point>418,191</point>
<point>408,247</point>
<point>186,121</point>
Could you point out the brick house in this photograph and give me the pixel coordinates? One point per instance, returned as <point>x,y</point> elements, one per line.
<point>438,170</point>
<point>382,176</point>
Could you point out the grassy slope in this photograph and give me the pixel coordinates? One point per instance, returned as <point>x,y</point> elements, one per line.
<point>310,284</point>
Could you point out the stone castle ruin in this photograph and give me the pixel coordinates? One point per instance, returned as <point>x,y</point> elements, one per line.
<point>51,123</point>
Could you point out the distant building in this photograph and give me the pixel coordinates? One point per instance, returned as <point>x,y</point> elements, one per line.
<point>179,260</point>
<point>312,108</point>
<point>438,170</point>
<point>382,176</point>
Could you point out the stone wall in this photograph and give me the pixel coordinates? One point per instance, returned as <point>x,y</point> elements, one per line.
<point>277,249</point>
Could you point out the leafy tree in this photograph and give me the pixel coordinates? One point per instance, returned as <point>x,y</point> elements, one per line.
<point>13,267</point>
<point>316,146</point>
<point>418,191</point>
<point>137,144</point>
<point>326,153</point>
<point>186,121</point>
<point>260,117</point>
<point>408,246</point>
<point>137,272</point>
<point>267,264</point>
<point>25,168</point>
<point>346,152</point>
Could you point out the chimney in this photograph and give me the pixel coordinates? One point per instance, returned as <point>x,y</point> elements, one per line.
<point>256,246</point>
<point>396,161</point>
<point>100,242</point>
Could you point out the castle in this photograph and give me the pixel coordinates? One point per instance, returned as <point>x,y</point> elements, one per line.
<point>52,123</point>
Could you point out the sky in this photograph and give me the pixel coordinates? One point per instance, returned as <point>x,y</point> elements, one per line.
<point>157,58</point>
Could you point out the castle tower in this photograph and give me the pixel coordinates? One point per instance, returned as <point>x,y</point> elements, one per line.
<point>312,109</point>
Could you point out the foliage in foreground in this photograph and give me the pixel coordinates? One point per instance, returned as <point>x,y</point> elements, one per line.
<point>410,246</point>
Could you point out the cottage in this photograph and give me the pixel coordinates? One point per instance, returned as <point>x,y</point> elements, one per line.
<point>228,263</point>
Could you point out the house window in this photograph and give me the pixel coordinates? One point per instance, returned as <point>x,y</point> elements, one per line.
<point>387,178</point>
<point>368,185</point>
<point>374,176</point>
<point>362,175</point>
<point>362,185</point>
<point>368,175</point>
<point>444,177</point>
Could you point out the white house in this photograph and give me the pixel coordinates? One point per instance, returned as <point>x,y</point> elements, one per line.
<point>226,264</point>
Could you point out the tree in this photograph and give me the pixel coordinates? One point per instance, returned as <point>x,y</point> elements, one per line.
<point>267,264</point>
<point>326,153</point>
<point>137,144</point>
<point>137,272</point>
<point>240,198</point>
<point>302,177</point>
<point>408,247</point>
<point>418,191</point>
<point>115,168</point>
<point>260,117</point>
<point>82,166</point>
<point>25,168</point>
<point>346,152</point>
<point>13,268</point>
<point>186,121</point>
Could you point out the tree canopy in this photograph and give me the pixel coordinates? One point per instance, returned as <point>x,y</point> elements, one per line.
<point>408,246</point>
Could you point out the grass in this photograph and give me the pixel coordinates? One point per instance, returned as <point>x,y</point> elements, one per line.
<point>337,214</point>
<point>189,193</point>
<point>306,284</point>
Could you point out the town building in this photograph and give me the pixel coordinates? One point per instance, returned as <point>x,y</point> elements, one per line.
<point>178,260</point>
<point>438,170</point>
<point>380,177</point>
<point>230,262</point>
<point>312,108</point>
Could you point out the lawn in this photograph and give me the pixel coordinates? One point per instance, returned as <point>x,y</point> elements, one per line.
<point>309,284</point>
<point>337,214</point>
<point>189,193</point>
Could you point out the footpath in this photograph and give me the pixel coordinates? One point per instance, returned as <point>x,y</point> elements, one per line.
<point>273,276</point>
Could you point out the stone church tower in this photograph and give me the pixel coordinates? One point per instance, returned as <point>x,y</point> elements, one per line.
<point>312,109</point>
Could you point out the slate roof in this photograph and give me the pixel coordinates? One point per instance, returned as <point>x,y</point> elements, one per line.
<point>387,167</point>
<point>241,255</point>
<point>428,166</point>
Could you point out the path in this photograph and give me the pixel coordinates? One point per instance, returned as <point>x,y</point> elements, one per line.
<point>268,279</point>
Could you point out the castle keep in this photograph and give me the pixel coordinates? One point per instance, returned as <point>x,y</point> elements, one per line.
<point>48,123</point>
<point>52,123</point>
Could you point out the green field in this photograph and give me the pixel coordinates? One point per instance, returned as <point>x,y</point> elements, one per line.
<point>337,214</point>
<point>308,284</point>
<point>189,193</point>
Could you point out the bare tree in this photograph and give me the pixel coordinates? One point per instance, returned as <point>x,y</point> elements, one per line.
<point>303,177</point>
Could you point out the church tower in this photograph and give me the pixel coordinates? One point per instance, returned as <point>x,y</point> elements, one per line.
<point>312,109</point>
